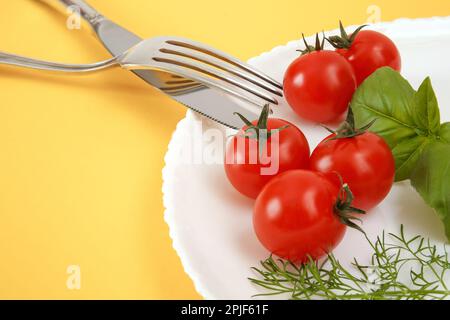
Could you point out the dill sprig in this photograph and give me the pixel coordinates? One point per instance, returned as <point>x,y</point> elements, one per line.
<point>400,268</point>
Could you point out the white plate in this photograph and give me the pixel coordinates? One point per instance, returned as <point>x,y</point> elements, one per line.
<point>210,223</point>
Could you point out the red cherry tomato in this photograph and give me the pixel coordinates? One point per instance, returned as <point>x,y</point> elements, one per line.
<point>319,86</point>
<point>369,51</point>
<point>294,216</point>
<point>364,162</point>
<point>246,176</point>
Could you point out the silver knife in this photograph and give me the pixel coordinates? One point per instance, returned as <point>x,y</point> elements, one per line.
<point>208,102</point>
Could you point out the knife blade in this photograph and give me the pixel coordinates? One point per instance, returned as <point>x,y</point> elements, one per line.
<point>211,103</point>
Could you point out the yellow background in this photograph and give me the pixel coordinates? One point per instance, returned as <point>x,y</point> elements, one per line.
<point>81,156</point>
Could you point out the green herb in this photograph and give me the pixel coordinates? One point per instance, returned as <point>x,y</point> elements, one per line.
<point>431,178</point>
<point>425,110</point>
<point>444,132</point>
<point>409,121</point>
<point>387,97</point>
<point>382,279</point>
<point>406,119</point>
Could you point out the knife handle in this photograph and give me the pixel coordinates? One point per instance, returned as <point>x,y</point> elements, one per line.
<point>86,11</point>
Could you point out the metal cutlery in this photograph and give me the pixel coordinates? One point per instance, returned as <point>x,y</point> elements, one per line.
<point>180,57</point>
<point>198,76</point>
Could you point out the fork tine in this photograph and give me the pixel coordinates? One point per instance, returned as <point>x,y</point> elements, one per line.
<point>181,88</point>
<point>180,42</point>
<point>180,81</point>
<point>199,76</point>
<point>180,91</point>
<point>220,64</point>
<point>215,73</point>
<point>180,85</point>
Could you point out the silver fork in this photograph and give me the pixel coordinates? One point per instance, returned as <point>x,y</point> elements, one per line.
<point>182,57</point>
<point>181,67</point>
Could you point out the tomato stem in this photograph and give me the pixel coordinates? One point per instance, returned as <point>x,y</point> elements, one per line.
<point>344,41</point>
<point>344,209</point>
<point>259,131</point>
<point>319,45</point>
<point>260,125</point>
<point>348,128</point>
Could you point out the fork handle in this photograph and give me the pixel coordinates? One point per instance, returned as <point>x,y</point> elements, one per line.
<point>86,11</point>
<point>21,61</point>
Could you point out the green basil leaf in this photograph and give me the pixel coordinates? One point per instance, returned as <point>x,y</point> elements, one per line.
<point>431,178</point>
<point>409,121</point>
<point>406,155</point>
<point>388,97</point>
<point>444,132</point>
<point>425,110</point>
